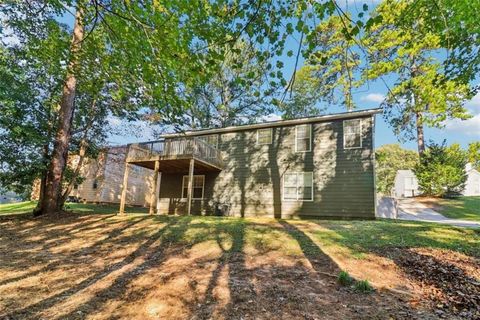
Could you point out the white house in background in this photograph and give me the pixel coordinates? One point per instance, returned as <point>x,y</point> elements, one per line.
<point>8,196</point>
<point>472,186</point>
<point>406,184</point>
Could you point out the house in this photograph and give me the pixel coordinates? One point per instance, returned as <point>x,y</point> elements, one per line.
<point>317,166</point>
<point>103,179</point>
<point>8,196</point>
<point>406,184</point>
<point>472,186</point>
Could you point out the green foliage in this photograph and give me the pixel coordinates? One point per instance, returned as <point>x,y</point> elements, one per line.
<point>344,278</point>
<point>389,159</point>
<point>474,154</point>
<point>304,96</point>
<point>422,94</point>
<point>441,170</point>
<point>363,286</point>
<point>455,22</point>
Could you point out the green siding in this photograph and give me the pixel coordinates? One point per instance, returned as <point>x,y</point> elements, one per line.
<point>251,183</point>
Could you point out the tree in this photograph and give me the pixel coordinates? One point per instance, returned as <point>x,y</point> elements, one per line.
<point>156,50</point>
<point>474,154</point>
<point>455,23</point>
<point>334,61</point>
<point>389,159</point>
<point>422,94</point>
<point>441,170</point>
<point>304,96</point>
<point>238,93</point>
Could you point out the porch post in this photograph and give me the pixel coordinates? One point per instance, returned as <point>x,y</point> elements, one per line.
<point>124,189</point>
<point>190,186</point>
<point>154,196</point>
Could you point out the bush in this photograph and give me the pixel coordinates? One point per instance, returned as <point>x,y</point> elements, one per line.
<point>344,278</point>
<point>441,170</point>
<point>363,286</point>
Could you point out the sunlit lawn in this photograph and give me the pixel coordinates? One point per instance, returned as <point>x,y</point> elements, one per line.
<point>28,206</point>
<point>465,208</point>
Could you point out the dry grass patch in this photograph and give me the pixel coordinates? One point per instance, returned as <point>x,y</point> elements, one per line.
<point>144,267</point>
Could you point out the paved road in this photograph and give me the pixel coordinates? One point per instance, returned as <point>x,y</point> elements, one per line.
<point>409,209</point>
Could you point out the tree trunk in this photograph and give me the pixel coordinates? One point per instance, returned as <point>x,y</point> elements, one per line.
<point>420,135</point>
<point>76,172</point>
<point>43,180</point>
<point>53,187</point>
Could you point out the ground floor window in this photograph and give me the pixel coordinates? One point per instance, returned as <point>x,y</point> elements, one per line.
<point>198,187</point>
<point>298,186</point>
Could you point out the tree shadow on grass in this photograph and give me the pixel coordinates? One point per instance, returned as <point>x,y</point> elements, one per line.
<point>166,235</point>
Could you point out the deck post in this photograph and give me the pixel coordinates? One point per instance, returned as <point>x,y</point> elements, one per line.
<point>154,196</point>
<point>190,186</point>
<point>124,189</point>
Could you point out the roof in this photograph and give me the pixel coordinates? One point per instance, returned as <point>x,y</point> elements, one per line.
<point>279,123</point>
<point>405,173</point>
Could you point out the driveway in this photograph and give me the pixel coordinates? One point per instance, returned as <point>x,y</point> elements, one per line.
<point>409,209</point>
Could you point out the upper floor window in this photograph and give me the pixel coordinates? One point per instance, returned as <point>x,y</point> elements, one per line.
<point>298,186</point>
<point>198,187</point>
<point>211,139</point>
<point>264,136</point>
<point>352,133</point>
<point>303,138</point>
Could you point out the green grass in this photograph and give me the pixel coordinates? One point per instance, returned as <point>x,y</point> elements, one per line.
<point>28,206</point>
<point>464,208</point>
<point>361,237</point>
<point>354,237</point>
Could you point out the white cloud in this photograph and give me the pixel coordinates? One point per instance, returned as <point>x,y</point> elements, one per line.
<point>474,105</point>
<point>470,127</point>
<point>270,117</point>
<point>373,97</point>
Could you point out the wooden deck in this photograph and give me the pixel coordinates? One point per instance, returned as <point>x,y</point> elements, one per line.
<point>174,155</point>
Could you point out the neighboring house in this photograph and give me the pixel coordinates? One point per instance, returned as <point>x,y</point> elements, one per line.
<point>472,186</point>
<point>8,196</point>
<point>103,180</point>
<point>318,166</point>
<point>406,184</point>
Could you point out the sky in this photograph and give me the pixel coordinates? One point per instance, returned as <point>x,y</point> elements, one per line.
<point>454,131</point>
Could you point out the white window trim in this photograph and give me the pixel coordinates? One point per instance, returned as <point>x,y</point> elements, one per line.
<point>271,136</point>
<point>361,134</point>
<point>310,140</point>
<point>296,200</point>
<point>203,186</point>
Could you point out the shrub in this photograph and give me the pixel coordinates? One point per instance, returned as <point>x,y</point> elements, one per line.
<point>363,286</point>
<point>441,170</point>
<point>344,278</point>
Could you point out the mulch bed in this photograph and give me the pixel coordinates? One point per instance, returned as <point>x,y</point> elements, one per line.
<point>449,282</point>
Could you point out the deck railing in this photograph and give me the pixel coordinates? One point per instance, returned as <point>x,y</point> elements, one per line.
<point>175,149</point>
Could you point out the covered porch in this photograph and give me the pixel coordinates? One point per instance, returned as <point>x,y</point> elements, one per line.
<point>179,155</point>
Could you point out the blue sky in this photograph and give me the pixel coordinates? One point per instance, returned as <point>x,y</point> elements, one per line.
<point>456,131</point>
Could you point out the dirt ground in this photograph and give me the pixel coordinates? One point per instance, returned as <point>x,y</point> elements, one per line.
<point>108,267</point>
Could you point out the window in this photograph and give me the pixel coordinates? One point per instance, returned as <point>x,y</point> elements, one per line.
<point>198,186</point>
<point>95,184</point>
<point>264,136</point>
<point>303,138</point>
<point>211,140</point>
<point>352,133</point>
<point>298,186</point>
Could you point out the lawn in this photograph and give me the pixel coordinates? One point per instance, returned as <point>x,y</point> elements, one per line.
<point>464,208</point>
<point>104,266</point>
<point>28,206</point>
